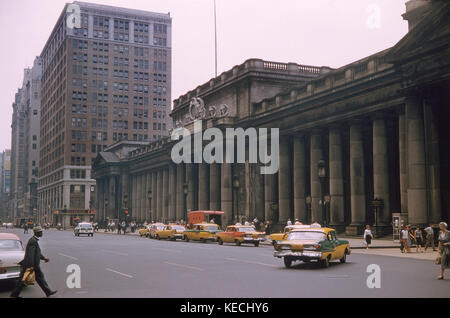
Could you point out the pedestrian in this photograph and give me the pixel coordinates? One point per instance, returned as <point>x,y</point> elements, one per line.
<point>25,229</point>
<point>268,228</point>
<point>32,259</point>
<point>429,238</point>
<point>368,236</point>
<point>289,222</point>
<point>444,248</point>
<point>212,221</point>
<point>124,227</point>
<point>418,237</point>
<point>411,239</point>
<point>119,227</point>
<point>405,238</point>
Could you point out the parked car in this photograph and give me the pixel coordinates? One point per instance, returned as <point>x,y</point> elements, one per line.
<point>155,227</point>
<point>318,244</point>
<point>84,228</point>
<point>11,253</point>
<point>239,235</point>
<point>144,230</point>
<point>171,232</point>
<point>287,229</point>
<point>202,232</point>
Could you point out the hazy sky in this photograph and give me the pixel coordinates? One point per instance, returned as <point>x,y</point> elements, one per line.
<point>312,32</point>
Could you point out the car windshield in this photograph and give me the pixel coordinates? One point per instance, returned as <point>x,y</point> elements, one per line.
<point>178,228</point>
<point>247,229</point>
<point>160,227</point>
<point>210,228</point>
<point>10,245</point>
<point>306,235</point>
<point>86,227</point>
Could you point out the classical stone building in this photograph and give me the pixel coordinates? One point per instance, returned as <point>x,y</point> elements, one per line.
<point>376,128</point>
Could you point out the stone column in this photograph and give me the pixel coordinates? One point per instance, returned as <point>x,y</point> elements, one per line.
<point>284,182</point>
<point>112,201</point>
<point>226,193</point>
<point>180,208</point>
<point>172,195</point>
<point>433,161</point>
<point>403,163</point>
<point>203,186</point>
<point>336,179</point>
<point>357,181</point>
<point>154,205</point>
<point>270,196</point>
<point>214,187</point>
<point>190,178</point>
<point>149,188</point>
<point>316,187</point>
<point>165,193</point>
<point>300,210</point>
<point>159,197</point>
<point>381,170</point>
<point>417,183</point>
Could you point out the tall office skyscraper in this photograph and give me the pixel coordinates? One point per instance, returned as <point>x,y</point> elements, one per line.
<point>25,143</point>
<point>106,81</point>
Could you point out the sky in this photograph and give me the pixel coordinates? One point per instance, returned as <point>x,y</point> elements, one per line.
<point>312,32</point>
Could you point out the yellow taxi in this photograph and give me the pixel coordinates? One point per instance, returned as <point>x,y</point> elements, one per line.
<point>144,230</point>
<point>202,232</point>
<point>287,229</point>
<point>239,234</point>
<point>314,243</point>
<point>171,232</point>
<point>154,228</point>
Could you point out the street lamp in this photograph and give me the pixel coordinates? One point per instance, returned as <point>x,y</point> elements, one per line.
<point>106,207</point>
<point>377,204</point>
<point>308,201</point>
<point>186,193</point>
<point>236,186</point>
<point>125,203</point>
<point>149,196</point>
<point>322,174</point>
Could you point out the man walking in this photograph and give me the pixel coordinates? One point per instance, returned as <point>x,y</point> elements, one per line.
<point>25,228</point>
<point>33,257</point>
<point>429,238</point>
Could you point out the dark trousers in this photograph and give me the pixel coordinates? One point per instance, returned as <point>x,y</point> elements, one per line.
<point>429,242</point>
<point>40,280</point>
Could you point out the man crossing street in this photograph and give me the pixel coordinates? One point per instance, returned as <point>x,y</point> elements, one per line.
<point>33,257</point>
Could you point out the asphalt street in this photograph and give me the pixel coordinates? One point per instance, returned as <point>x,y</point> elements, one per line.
<point>129,267</point>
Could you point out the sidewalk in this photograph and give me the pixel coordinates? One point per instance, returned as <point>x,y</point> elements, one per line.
<point>429,255</point>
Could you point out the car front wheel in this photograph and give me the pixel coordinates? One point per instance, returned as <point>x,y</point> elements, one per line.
<point>238,243</point>
<point>256,244</point>
<point>287,262</point>
<point>220,241</point>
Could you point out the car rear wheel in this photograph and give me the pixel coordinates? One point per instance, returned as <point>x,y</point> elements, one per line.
<point>344,258</point>
<point>325,263</point>
<point>186,238</point>
<point>287,262</point>
<point>256,244</point>
<point>157,237</point>
<point>220,241</point>
<point>238,243</point>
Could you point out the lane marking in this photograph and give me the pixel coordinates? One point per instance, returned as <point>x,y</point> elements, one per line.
<point>165,249</point>
<point>114,252</point>
<point>81,292</point>
<point>335,276</point>
<point>119,273</point>
<point>185,266</point>
<point>68,256</point>
<point>252,262</point>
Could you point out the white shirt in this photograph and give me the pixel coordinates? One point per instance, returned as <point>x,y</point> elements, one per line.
<point>368,232</point>
<point>405,234</point>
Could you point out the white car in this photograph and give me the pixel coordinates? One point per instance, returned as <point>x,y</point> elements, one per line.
<point>84,229</point>
<point>11,253</point>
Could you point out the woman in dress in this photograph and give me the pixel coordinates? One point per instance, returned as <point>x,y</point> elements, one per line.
<point>444,248</point>
<point>418,237</point>
<point>368,236</point>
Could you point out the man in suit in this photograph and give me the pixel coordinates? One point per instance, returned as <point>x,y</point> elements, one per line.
<point>33,258</point>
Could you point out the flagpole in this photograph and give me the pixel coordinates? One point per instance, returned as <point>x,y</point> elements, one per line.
<point>215,34</point>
